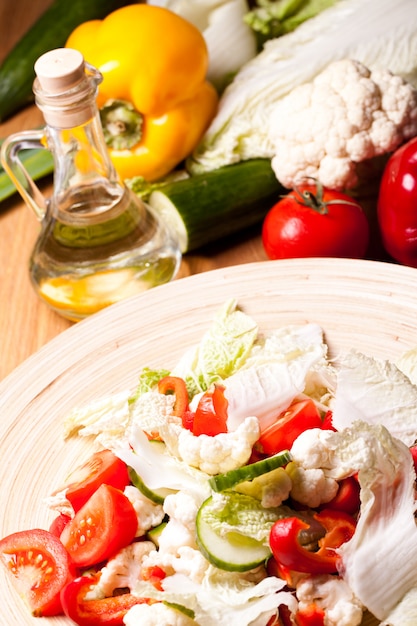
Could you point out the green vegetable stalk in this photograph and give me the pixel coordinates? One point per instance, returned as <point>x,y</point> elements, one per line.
<point>50,31</point>
<point>272,18</point>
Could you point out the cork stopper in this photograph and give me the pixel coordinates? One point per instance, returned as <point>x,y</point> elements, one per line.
<point>64,91</point>
<point>60,70</point>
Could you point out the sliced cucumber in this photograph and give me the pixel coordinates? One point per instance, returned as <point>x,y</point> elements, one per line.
<point>222,482</point>
<point>225,532</point>
<point>206,207</point>
<point>156,495</point>
<point>154,533</point>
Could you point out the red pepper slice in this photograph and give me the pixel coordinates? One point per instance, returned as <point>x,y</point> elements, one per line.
<point>310,616</point>
<point>176,386</point>
<point>103,612</point>
<point>210,417</point>
<point>347,497</point>
<point>287,550</point>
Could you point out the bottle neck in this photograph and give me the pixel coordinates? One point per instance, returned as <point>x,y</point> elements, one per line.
<point>86,185</point>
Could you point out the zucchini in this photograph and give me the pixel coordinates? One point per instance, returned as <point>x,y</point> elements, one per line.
<point>206,207</point>
<point>38,162</point>
<point>230,479</point>
<point>50,31</point>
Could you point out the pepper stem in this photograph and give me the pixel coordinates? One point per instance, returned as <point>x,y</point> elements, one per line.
<point>122,124</point>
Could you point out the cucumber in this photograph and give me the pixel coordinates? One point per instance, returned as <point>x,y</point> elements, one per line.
<point>156,495</point>
<point>154,533</point>
<point>233,551</point>
<point>207,207</point>
<point>51,30</point>
<point>230,479</point>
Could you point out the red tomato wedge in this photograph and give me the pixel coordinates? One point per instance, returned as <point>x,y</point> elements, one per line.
<point>280,435</point>
<point>101,612</point>
<point>210,417</point>
<point>104,525</point>
<point>39,567</point>
<point>102,468</point>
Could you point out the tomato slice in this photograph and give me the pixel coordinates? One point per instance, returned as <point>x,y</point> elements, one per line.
<point>103,467</point>
<point>102,612</point>
<point>104,525</point>
<point>210,417</point>
<point>39,566</point>
<point>280,435</point>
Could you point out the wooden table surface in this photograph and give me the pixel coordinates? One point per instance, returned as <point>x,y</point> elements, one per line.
<point>26,322</point>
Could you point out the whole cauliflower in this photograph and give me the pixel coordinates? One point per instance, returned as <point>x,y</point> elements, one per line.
<point>346,115</point>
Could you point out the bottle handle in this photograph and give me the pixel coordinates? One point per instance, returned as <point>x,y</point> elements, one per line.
<point>19,175</point>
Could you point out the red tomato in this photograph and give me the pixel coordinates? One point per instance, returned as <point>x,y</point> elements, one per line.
<point>103,467</point>
<point>315,222</point>
<point>103,612</point>
<point>280,435</point>
<point>58,524</point>
<point>210,417</point>
<point>40,567</point>
<point>397,204</point>
<point>104,525</point>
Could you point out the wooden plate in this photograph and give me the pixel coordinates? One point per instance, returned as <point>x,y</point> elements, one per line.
<point>366,305</point>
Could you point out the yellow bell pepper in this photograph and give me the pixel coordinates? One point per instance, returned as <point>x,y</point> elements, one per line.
<point>155,101</point>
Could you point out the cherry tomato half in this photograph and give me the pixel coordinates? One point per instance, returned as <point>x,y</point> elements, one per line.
<point>397,204</point>
<point>280,435</point>
<point>100,612</point>
<point>102,467</point>
<point>39,566</point>
<point>106,523</point>
<point>315,222</point>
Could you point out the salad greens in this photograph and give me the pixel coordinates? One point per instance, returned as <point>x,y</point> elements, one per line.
<point>373,404</point>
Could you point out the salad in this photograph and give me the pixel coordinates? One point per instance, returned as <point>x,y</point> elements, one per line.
<point>257,483</point>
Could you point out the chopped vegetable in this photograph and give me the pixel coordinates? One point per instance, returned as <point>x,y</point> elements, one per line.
<point>39,566</point>
<point>397,204</point>
<point>153,113</point>
<point>95,612</point>
<point>288,551</point>
<point>386,530</point>
<point>381,35</point>
<point>313,221</point>
<point>106,523</point>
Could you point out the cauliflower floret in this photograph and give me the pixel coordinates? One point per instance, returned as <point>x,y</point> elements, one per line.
<point>157,614</point>
<point>346,115</point>
<point>311,486</point>
<point>150,410</point>
<point>184,560</point>
<point>149,513</point>
<point>315,449</point>
<point>213,455</point>
<point>183,507</point>
<point>124,568</point>
<point>334,596</point>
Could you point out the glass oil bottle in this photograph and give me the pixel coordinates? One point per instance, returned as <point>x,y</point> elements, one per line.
<point>99,243</point>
